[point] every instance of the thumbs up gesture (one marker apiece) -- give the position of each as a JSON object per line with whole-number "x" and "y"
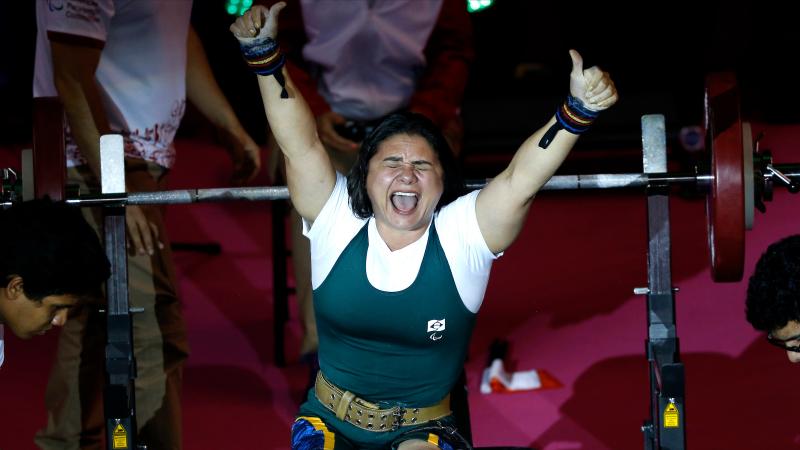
{"x": 592, "y": 86}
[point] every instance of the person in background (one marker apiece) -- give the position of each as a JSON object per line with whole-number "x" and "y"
{"x": 50, "y": 261}
{"x": 773, "y": 295}
{"x": 128, "y": 67}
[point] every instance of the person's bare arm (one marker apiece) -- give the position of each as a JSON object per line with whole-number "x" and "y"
{"x": 503, "y": 204}
{"x": 309, "y": 172}
{"x": 74, "y": 68}
{"x": 204, "y": 93}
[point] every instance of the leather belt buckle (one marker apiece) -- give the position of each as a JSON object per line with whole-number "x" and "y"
{"x": 347, "y": 407}
{"x": 398, "y": 414}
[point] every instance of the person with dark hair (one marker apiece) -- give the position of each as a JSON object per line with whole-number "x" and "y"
{"x": 400, "y": 256}
{"x": 393, "y": 55}
{"x": 773, "y": 295}
{"x": 51, "y": 261}
{"x": 412, "y": 124}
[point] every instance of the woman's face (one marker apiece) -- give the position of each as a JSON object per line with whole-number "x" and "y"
{"x": 405, "y": 181}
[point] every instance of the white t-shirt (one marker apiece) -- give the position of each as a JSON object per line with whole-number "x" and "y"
{"x": 142, "y": 69}
{"x": 468, "y": 255}
{"x": 2, "y": 347}
{"x": 370, "y": 53}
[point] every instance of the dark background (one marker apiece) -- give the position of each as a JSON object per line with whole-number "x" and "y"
{"x": 658, "y": 55}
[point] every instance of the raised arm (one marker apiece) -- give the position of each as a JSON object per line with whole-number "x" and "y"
{"x": 309, "y": 172}
{"x": 503, "y": 204}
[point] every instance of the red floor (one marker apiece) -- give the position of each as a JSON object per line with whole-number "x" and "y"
{"x": 562, "y": 295}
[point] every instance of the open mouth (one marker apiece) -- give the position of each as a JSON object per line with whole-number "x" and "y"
{"x": 404, "y": 202}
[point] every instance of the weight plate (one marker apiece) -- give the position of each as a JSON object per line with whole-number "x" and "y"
{"x": 725, "y": 201}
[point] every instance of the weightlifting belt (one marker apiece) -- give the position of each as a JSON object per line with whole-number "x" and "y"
{"x": 368, "y": 416}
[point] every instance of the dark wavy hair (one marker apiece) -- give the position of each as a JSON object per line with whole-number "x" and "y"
{"x": 412, "y": 124}
{"x": 773, "y": 292}
{"x": 53, "y": 249}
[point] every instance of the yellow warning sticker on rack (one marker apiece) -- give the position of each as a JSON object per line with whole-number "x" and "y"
{"x": 671, "y": 416}
{"x": 120, "y": 437}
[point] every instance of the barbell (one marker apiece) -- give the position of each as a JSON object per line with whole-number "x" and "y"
{"x": 738, "y": 180}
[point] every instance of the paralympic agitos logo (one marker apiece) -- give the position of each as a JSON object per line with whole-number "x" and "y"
{"x": 436, "y": 329}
